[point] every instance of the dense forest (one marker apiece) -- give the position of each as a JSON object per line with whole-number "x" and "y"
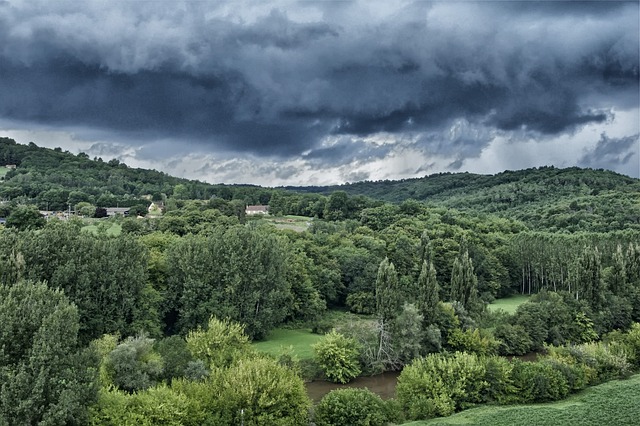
{"x": 154, "y": 324}
{"x": 546, "y": 198}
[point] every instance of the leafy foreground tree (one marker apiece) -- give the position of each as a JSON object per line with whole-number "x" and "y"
{"x": 242, "y": 387}
{"x": 25, "y": 217}
{"x": 45, "y": 378}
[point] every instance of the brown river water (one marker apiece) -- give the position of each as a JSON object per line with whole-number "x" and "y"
{"x": 382, "y": 384}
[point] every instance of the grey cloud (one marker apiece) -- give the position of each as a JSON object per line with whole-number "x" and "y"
{"x": 356, "y": 176}
{"x": 278, "y": 79}
{"x": 456, "y": 165}
{"x": 611, "y": 152}
{"x": 346, "y": 150}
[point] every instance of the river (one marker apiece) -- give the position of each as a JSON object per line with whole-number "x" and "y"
{"x": 382, "y": 384}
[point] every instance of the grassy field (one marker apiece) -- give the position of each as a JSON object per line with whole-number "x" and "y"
{"x": 113, "y": 229}
{"x": 3, "y": 171}
{"x": 295, "y": 223}
{"x": 508, "y": 304}
{"x": 612, "y": 403}
{"x": 300, "y": 340}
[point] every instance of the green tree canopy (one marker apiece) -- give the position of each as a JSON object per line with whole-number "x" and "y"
{"x": 45, "y": 378}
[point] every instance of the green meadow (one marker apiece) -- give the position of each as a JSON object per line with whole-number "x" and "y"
{"x": 109, "y": 228}
{"x": 508, "y": 304}
{"x": 280, "y": 339}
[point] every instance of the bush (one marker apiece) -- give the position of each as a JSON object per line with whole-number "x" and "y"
{"x": 134, "y": 365}
{"x": 322, "y": 326}
{"x": 476, "y": 341}
{"x": 577, "y": 375}
{"x": 266, "y": 392}
{"x": 362, "y": 302}
{"x": 309, "y": 369}
{"x": 500, "y": 388}
{"x": 514, "y": 339}
{"x": 627, "y": 343}
{"x": 220, "y": 345}
{"x": 176, "y": 356}
{"x": 347, "y": 407}
{"x": 155, "y": 406}
{"x": 367, "y": 335}
{"x": 337, "y": 355}
{"x": 439, "y": 384}
{"x": 538, "y": 382}
{"x": 608, "y": 361}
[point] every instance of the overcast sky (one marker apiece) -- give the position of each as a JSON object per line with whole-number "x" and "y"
{"x": 319, "y": 92}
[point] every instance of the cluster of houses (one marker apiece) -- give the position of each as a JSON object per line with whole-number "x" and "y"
{"x": 124, "y": 211}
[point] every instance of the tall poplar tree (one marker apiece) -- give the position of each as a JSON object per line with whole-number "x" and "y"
{"x": 464, "y": 283}
{"x": 617, "y": 274}
{"x": 388, "y": 295}
{"x": 590, "y": 283}
{"x": 428, "y": 293}
{"x": 389, "y": 302}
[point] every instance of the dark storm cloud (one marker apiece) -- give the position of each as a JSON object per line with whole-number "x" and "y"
{"x": 611, "y": 152}
{"x": 277, "y": 78}
{"x": 345, "y": 151}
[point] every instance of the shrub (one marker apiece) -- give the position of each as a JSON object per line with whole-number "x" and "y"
{"x": 220, "y": 345}
{"x": 367, "y": 335}
{"x": 309, "y": 369}
{"x": 266, "y": 392}
{"x": 337, "y": 355}
{"x": 577, "y": 375}
{"x": 514, "y": 339}
{"x": 362, "y": 302}
{"x": 154, "y": 406}
{"x": 476, "y": 341}
{"x": 322, "y": 326}
{"x": 134, "y": 365}
{"x": 351, "y": 407}
{"x": 439, "y": 384}
{"x": 627, "y": 343}
{"x": 176, "y": 356}
{"x": 538, "y": 382}
{"x": 500, "y": 388}
{"x": 608, "y": 361}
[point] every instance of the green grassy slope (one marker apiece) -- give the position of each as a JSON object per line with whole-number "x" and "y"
{"x": 612, "y": 403}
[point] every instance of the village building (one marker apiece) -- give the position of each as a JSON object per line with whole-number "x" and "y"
{"x": 257, "y": 209}
{"x": 114, "y": 211}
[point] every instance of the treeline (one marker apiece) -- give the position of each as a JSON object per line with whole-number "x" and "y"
{"x": 545, "y": 198}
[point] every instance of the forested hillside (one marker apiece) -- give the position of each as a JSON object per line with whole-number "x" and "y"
{"x": 53, "y": 179}
{"x": 546, "y": 198}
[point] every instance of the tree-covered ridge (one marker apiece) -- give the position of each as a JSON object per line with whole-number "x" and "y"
{"x": 544, "y": 198}
{"x": 54, "y": 179}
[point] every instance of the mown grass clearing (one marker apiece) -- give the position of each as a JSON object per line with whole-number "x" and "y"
{"x": 281, "y": 338}
{"x": 3, "y": 171}
{"x": 508, "y": 304}
{"x": 612, "y": 403}
{"x": 113, "y": 229}
{"x": 295, "y": 223}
